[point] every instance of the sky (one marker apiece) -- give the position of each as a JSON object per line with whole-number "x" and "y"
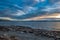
{"x": 25, "y": 9}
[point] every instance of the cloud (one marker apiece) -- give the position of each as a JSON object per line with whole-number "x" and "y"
{"x": 48, "y": 9}
{"x": 39, "y": 0}
{"x": 10, "y": 19}
{"x": 57, "y": 5}
{"x": 55, "y": 16}
{"x": 18, "y": 13}
{"x": 52, "y": 8}
{"x": 29, "y": 9}
{"x": 17, "y": 6}
{"x": 26, "y": 10}
{"x": 6, "y": 18}
{"x": 34, "y": 7}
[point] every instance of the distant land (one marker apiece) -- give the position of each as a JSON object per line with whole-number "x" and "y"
{"x": 43, "y": 20}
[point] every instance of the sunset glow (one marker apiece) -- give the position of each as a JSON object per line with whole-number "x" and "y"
{"x": 58, "y": 16}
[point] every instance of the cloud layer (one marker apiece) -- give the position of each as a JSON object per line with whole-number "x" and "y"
{"x": 21, "y": 9}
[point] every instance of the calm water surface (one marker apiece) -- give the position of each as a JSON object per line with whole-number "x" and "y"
{"x": 39, "y": 25}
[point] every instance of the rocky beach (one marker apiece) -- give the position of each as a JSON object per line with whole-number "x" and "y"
{"x": 22, "y": 32}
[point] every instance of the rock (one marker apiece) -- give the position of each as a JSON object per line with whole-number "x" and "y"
{"x": 7, "y": 37}
{"x": 14, "y": 38}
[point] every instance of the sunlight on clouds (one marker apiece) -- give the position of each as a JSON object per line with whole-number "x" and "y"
{"x": 6, "y": 18}
{"x": 58, "y": 16}
{"x": 10, "y": 19}
{"x": 52, "y": 8}
{"x": 57, "y": 4}
{"x": 32, "y": 8}
{"x": 29, "y": 9}
{"x": 42, "y": 0}
{"x": 26, "y": 10}
{"x": 17, "y": 6}
{"x": 48, "y": 9}
{"x": 43, "y": 17}
{"x": 19, "y": 13}
{"x": 39, "y": 0}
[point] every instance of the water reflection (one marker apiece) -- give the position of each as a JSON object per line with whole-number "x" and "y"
{"x": 38, "y": 25}
{"x": 56, "y": 25}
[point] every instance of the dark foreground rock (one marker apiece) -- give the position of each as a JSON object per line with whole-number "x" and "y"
{"x": 24, "y": 29}
{"x": 6, "y": 37}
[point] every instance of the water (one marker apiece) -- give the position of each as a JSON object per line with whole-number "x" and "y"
{"x": 37, "y": 25}
{"x": 28, "y": 36}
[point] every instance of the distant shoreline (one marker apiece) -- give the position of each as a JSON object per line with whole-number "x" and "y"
{"x": 33, "y": 21}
